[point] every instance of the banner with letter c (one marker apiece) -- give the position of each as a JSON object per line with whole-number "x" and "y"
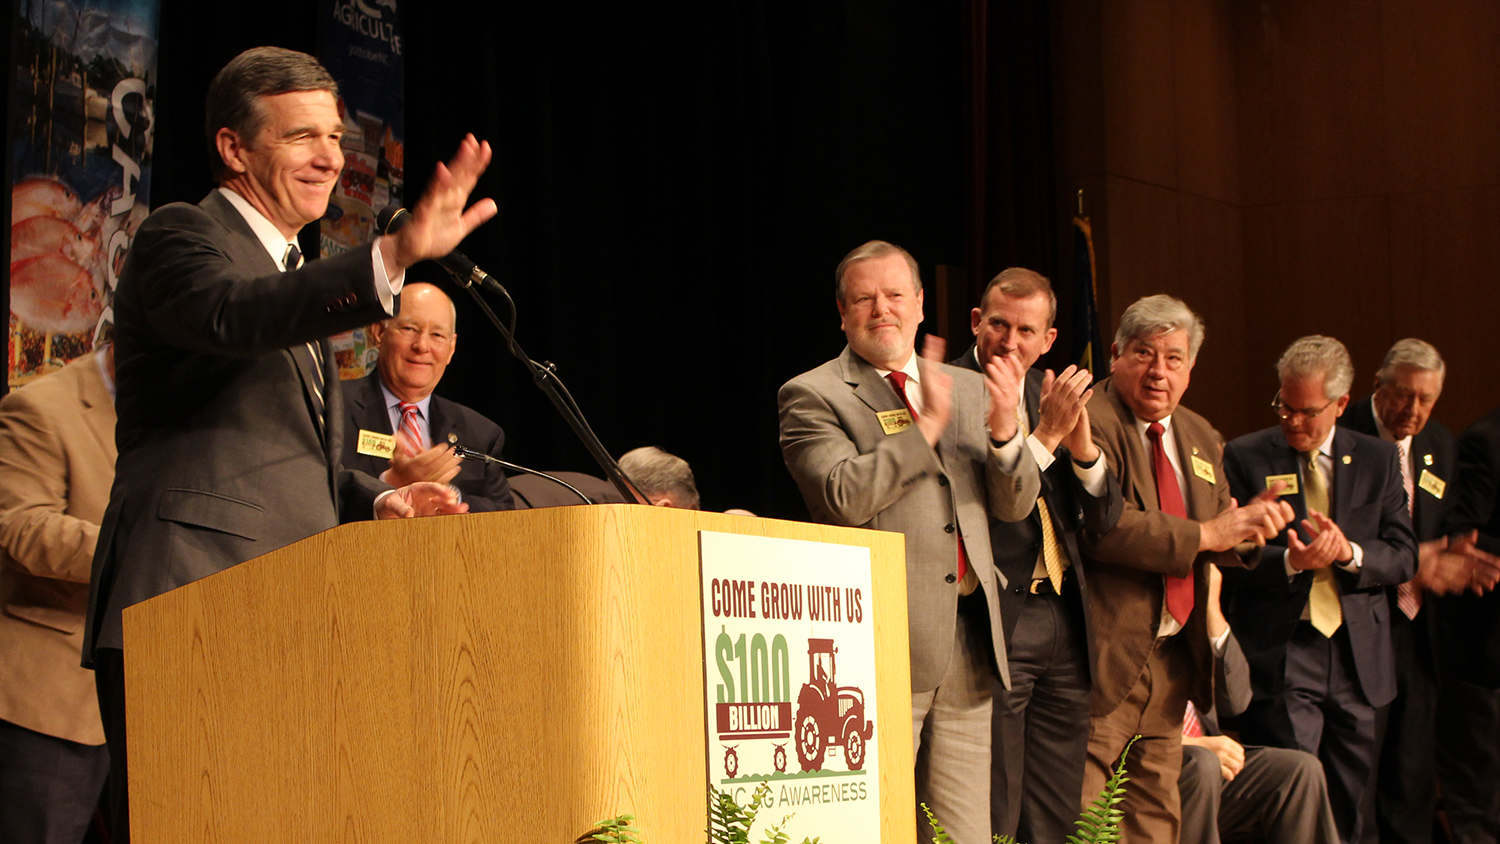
{"x": 83, "y": 83}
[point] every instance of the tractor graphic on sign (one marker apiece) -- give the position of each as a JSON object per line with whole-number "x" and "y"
{"x": 828, "y": 714}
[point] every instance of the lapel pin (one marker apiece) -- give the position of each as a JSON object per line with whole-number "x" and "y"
{"x": 1427, "y": 459}
{"x": 1195, "y": 449}
{"x": 1348, "y": 460}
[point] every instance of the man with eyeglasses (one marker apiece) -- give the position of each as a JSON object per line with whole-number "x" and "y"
{"x": 398, "y": 428}
{"x": 1148, "y": 583}
{"x": 1313, "y": 616}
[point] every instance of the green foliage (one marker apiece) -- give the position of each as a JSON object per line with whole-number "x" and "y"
{"x": 1100, "y": 822}
{"x": 729, "y": 823}
{"x": 939, "y": 835}
{"x": 617, "y": 830}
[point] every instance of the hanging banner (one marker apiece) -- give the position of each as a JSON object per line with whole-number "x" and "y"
{"x": 790, "y": 692}
{"x": 361, "y": 47}
{"x": 81, "y": 120}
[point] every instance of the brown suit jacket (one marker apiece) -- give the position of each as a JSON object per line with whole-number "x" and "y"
{"x": 1126, "y": 565}
{"x": 57, "y": 461}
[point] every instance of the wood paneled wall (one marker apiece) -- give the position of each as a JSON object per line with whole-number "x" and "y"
{"x": 1292, "y": 168}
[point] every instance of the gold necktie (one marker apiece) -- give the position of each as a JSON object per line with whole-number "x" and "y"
{"x": 1323, "y": 601}
{"x": 1052, "y": 557}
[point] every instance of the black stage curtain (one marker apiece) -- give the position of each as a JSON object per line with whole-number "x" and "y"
{"x": 676, "y": 183}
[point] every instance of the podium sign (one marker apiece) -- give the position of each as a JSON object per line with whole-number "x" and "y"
{"x": 789, "y": 641}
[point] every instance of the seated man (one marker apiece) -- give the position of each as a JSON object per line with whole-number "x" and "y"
{"x": 1234, "y": 792}
{"x": 665, "y": 479}
{"x": 416, "y": 346}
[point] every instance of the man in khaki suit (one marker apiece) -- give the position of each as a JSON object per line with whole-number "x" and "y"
{"x": 873, "y": 438}
{"x": 57, "y": 461}
{"x": 1147, "y": 587}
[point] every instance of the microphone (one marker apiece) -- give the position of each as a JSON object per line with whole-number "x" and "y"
{"x": 390, "y": 220}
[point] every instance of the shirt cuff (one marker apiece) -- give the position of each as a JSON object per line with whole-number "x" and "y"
{"x": 1092, "y": 477}
{"x": 1218, "y": 642}
{"x": 1009, "y": 454}
{"x": 1353, "y": 565}
{"x": 1044, "y": 458}
{"x": 1286, "y": 563}
{"x": 375, "y": 511}
{"x": 386, "y": 288}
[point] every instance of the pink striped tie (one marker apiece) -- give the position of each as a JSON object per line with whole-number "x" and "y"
{"x": 1192, "y": 727}
{"x": 1408, "y": 599}
{"x": 409, "y": 440}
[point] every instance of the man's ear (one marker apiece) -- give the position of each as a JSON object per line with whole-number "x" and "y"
{"x": 231, "y": 151}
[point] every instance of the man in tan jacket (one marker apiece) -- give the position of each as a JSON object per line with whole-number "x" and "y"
{"x": 57, "y": 461}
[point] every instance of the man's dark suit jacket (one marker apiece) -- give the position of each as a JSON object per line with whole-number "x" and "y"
{"x": 1469, "y": 626}
{"x": 1015, "y": 545}
{"x": 483, "y": 485}
{"x": 221, "y": 458}
{"x": 1432, "y": 449}
{"x": 1369, "y": 506}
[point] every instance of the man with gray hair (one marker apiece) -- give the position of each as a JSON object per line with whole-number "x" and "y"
{"x": 665, "y": 479}
{"x": 1313, "y": 616}
{"x": 1407, "y": 387}
{"x": 881, "y": 438}
{"x": 1148, "y": 588}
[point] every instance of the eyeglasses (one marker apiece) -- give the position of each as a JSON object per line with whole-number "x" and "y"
{"x": 1288, "y": 412}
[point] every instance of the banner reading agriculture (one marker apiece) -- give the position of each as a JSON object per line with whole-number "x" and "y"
{"x": 82, "y": 87}
{"x": 790, "y": 693}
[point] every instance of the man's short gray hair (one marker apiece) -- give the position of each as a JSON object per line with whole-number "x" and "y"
{"x": 868, "y": 252}
{"x": 1159, "y": 314}
{"x": 1417, "y": 354}
{"x": 234, "y": 94}
{"x": 655, "y": 472}
{"x": 1316, "y": 355}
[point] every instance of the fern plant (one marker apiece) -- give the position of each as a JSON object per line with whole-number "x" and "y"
{"x": 1099, "y": 823}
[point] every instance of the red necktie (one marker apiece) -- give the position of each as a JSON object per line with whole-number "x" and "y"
{"x": 898, "y": 382}
{"x": 1192, "y": 726}
{"x": 1169, "y": 499}
{"x": 410, "y": 438}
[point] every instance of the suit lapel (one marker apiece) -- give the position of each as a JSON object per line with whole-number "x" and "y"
{"x": 99, "y": 410}
{"x": 1345, "y": 455}
{"x": 438, "y": 422}
{"x": 868, "y": 386}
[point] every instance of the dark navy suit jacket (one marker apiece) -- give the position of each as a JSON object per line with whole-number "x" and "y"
{"x": 1369, "y": 506}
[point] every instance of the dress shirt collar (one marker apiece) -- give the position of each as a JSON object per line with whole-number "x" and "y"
{"x": 1326, "y": 449}
{"x": 265, "y": 231}
{"x": 914, "y": 380}
{"x": 1383, "y": 433}
{"x": 393, "y": 404}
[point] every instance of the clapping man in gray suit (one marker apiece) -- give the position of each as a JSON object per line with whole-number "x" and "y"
{"x": 230, "y": 418}
{"x": 878, "y": 439}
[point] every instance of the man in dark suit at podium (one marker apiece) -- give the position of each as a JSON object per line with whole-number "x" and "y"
{"x": 398, "y": 428}
{"x": 1041, "y": 723}
{"x": 230, "y": 423}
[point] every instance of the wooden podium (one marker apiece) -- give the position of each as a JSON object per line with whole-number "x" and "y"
{"x": 500, "y": 677}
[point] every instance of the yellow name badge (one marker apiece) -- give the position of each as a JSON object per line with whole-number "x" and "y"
{"x": 1289, "y": 483}
{"x": 1204, "y": 469}
{"x": 376, "y": 445}
{"x": 894, "y": 421}
{"x": 1432, "y": 483}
